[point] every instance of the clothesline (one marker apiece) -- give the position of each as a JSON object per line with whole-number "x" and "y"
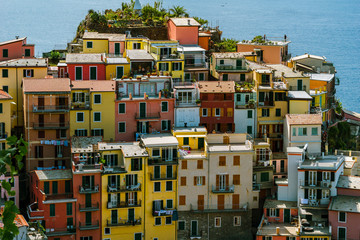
{"x": 55, "y": 142}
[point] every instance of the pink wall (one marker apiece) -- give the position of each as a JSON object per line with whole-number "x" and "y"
{"x": 271, "y": 54}
{"x": 352, "y": 225}
{"x": 86, "y": 71}
{"x": 293, "y": 212}
{"x": 3, "y": 192}
{"x": 16, "y": 50}
{"x": 112, "y": 47}
{"x": 185, "y": 35}
{"x": 153, "y": 106}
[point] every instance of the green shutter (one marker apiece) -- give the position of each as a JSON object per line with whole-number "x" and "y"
{"x": 225, "y": 77}
{"x": 46, "y": 187}
{"x": 67, "y": 186}
{"x": 78, "y": 73}
{"x": 68, "y": 209}
{"x": 186, "y": 141}
{"x": 121, "y": 107}
{"x": 119, "y": 71}
{"x": 93, "y": 73}
{"x": 164, "y": 106}
{"x": 55, "y": 187}
{"x": 5, "y": 53}
{"x": 1, "y": 108}
{"x": 249, "y": 114}
{"x": 5, "y": 73}
{"x": 52, "y": 210}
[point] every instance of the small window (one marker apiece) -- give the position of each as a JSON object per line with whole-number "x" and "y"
{"x": 158, "y": 221}
{"x": 122, "y": 127}
{"x": 122, "y": 108}
{"x": 52, "y": 210}
{"x": 236, "y": 160}
{"x": 182, "y": 181}
{"x": 225, "y": 77}
{"x": 181, "y": 225}
{"x": 1, "y": 108}
{"x": 217, "y": 222}
{"x": 97, "y": 116}
{"x": 107, "y": 231}
{"x": 168, "y": 221}
{"x": 169, "y": 185}
{"x": 278, "y": 112}
{"x": 249, "y": 114}
{"x": 41, "y": 134}
{"x": 138, "y": 236}
{"x": 265, "y": 112}
{"x": 222, "y": 160}
{"x": 183, "y": 164}
{"x": 302, "y": 131}
{"x": 314, "y": 131}
{"x": 97, "y": 132}
{"x": 204, "y": 112}
{"x": 68, "y": 209}
{"x": 249, "y": 129}
{"x": 5, "y": 53}
{"x": 264, "y": 177}
{"x": 89, "y": 44}
{"x": 164, "y": 66}
{"x": 177, "y": 66}
{"x": 80, "y": 117}
{"x": 237, "y": 221}
{"x": 5, "y": 73}
{"x": 155, "y": 152}
{"x": 5, "y": 89}
{"x": 27, "y": 52}
{"x": 217, "y": 112}
{"x": 200, "y": 164}
{"x": 186, "y": 141}
{"x": 164, "y": 106}
{"x": 342, "y": 217}
{"x": 28, "y": 73}
{"x": 136, "y": 45}
{"x": 294, "y": 131}
{"x": 221, "y": 62}
{"x": 93, "y": 73}
{"x": 157, "y": 186}
{"x": 97, "y": 98}
{"x": 169, "y": 204}
{"x": 165, "y": 125}
{"x": 201, "y": 77}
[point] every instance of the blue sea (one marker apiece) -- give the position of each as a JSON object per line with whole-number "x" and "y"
{"x": 329, "y": 28}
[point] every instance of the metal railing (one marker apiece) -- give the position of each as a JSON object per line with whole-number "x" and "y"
{"x": 116, "y": 169}
{"x": 80, "y": 105}
{"x": 89, "y": 207}
{"x": 230, "y": 68}
{"x": 50, "y": 108}
{"x": 266, "y": 104}
{"x": 219, "y": 207}
{"x": 88, "y": 189}
{"x": 296, "y": 88}
{"x": 223, "y": 189}
{"x": 69, "y": 230}
{"x": 57, "y": 196}
{"x": 162, "y": 176}
{"x": 89, "y": 225}
{"x": 161, "y": 161}
{"x": 124, "y": 204}
{"x": 123, "y": 222}
{"x": 124, "y": 188}
{"x": 51, "y": 125}
{"x": 147, "y": 115}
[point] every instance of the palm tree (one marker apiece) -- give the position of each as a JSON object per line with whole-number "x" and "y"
{"x": 178, "y": 11}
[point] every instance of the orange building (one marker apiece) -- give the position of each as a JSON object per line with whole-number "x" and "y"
{"x": 185, "y": 30}
{"x": 16, "y": 48}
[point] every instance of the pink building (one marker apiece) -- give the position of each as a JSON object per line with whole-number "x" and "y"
{"x": 143, "y": 106}
{"x": 85, "y": 66}
{"x": 344, "y": 210}
{"x": 185, "y": 30}
{"x": 14, "y": 187}
{"x": 16, "y": 48}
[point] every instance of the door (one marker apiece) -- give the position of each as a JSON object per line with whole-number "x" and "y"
{"x": 169, "y": 172}
{"x": 312, "y": 178}
{"x": 88, "y": 218}
{"x": 156, "y": 172}
{"x": 87, "y": 200}
{"x": 299, "y": 85}
{"x": 60, "y": 102}
{"x": 201, "y": 143}
{"x": 222, "y": 182}
{"x": 200, "y": 202}
{"x": 41, "y": 120}
{"x": 113, "y": 216}
{"x": 114, "y": 199}
{"x": 131, "y": 89}
{"x": 41, "y": 103}
{"x": 235, "y": 201}
{"x": 62, "y": 120}
{"x": 131, "y": 215}
{"x": 221, "y": 202}
{"x": 194, "y": 228}
{"x": 117, "y": 48}
{"x": 120, "y": 72}
{"x": 287, "y": 215}
{"x": 142, "y": 110}
{"x": 238, "y": 64}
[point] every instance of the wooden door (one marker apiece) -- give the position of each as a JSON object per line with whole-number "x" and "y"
{"x": 200, "y": 202}
{"x": 235, "y": 201}
{"x": 221, "y": 202}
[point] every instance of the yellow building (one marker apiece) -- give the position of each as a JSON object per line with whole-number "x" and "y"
{"x": 5, "y": 118}
{"x": 111, "y": 43}
{"x": 123, "y": 188}
{"x": 133, "y": 43}
{"x": 160, "y": 186}
{"x": 299, "y": 102}
{"x": 117, "y": 67}
{"x": 11, "y": 74}
{"x": 93, "y": 109}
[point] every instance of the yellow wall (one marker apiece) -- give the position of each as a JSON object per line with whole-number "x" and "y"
{"x": 129, "y": 43}
{"x": 175, "y": 74}
{"x": 299, "y": 106}
{"x": 5, "y": 117}
{"x": 99, "y": 46}
{"x": 111, "y": 70}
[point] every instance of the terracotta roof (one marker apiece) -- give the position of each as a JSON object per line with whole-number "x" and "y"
{"x": 95, "y": 86}
{"x": 281, "y": 69}
{"x": 84, "y": 58}
{"x": 53, "y": 174}
{"x": 27, "y": 62}
{"x": 19, "y": 220}
{"x": 12, "y": 41}
{"x": 304, "y": 119}
{"x": 345, "y": 204}
{"x": 217, "y": 86}
{"x": 234, "y": 55}
{"x": 185, "y": 22}
{"x": 4, "y": 95}
{"x": 110, "y": 36}
{"x": 46, "y": 85}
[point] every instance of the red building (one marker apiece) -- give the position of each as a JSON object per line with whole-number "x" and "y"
{"x": 16, "y": 48}
{"x": 85, "y": 66}
{"x": 143, "y": 105}
{"x": 53, "y": 203}
{"x": 185, "y": 30}
{"x": 217, "y": 106}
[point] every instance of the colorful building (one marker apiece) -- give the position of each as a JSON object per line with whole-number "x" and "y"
{"x": 16, "y": 48}
{"x": 196, "y": 66}
{"x": 299, "y": 102}
{"x": 117, "y": 67}
{"x": 113, "y": 44}
{"x": 92, "y": 109}
{"x": 86, "y": 66}
{"x": 5, "y": 118}
{"x": 4, "y": 196}
{"x": 245, "y": 109}
{"x": 217, "y": 106}
{"x": 184, "y": 30}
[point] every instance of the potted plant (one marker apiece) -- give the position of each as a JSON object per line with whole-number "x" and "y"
{"x": 198, "y": 101}
{"x": 251, "y": 103}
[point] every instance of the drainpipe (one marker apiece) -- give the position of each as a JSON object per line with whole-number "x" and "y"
{"x": 17, "y": 98}
{"x": 143, "y": 197}
{"x": 28, "y": 130}
{"x": 208, "y": 195}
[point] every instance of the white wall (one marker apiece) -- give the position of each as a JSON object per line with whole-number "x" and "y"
{"x": 241, "y": 120}
{"x": 191, "y": 116}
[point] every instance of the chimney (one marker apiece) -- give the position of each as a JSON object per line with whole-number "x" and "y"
{"x": 189, "y": 22}
{"x": 277, "y": 230}
{"x": 17, "y": 37}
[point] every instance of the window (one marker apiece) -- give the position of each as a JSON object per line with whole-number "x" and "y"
{"x": 163, "y": 66}
{"x": 225, "y": 77}
{"x": 79, "y": 117}
{"x": 249, "y": 130}
{"x": 68, "y": 209}
{"x": 236, "y": 179}
{"x": 155, "y": 152}
{"x": 278, "y": 112}
{"x": 27, "y": 52}
{"x": 249, "y": 114}
{"x": 54, "y": 187}
{"x": 182, "y": 200}
{"x": 5, "y": 88}
{"x": 157, "y": 221}
{"x": 204, "y": 112}
{"x": 136, "y": 45}
{"x": 341, "y": 233}
{"x": 122, "y": 108}
{"x": 86, "y": 238}
{"x": 199, "y": 180}
{"x": 182, "y": 181}
{"x": 294, "y": 131}
{"x": 107, "y": 231}
{"x": 342, "y": 217}
{"x": 265, "y": 112}
{"x": 28, "y": 73}
{"x": 46, "y": 187}
{"x": 168, "y": 221}
{"x": 201, "y": 77}
{"x": 165, "y": 125}
{"x": 89, "y": 44}
{"x": 52, "y": 210}
{"x": 325, "y": 194}
{"x": 236, "y": 161}
{"x": 1, "y": 108}
{"x": 119, "y": 72}
{"x": 169, "y": 185}
{"x": 183, "y": 164}
{"x": 97, "y": 132}
{"x": 314, "y": 131}
{"x": 187, "y": 76}
{"x": 164, "y": 106}
{"x": 97, "y": 116}
{"x": 169, "y": 204}
{"x": 78, "y": 73}
{"x": 97, "y": 98}
{"x": 81, "y": 132}
{"x": 280, "y": 96}
{"x": 221, "y": 62}
{"x": 217, "y": 222}
{"x": 264, "y": 177}
{"x": 122, "y": 127}
{"x": 273, "y": 212}
{"x": 136, "y": 164}
{"x": 302, "y": 131}
{"x": 39, "y": 151}
{"x": 157, "y": 186}
{"x": 93, "y": 73}
{"x": 181, "y": 225}
{"x": 5, "y": 73}
{"x": 217, "y": 112}
{"x": 222, "y": 161}
{"x": 79, "y": 97}
{"x": 237, "y": 221}
{"x": 177, "y": 66}
{"x": 138, "y": 236}
{"x": 5, "y": 53}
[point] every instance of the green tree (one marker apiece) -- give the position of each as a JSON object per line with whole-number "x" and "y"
{"x": 178, "y": 11}
{"x": 202, "y": 22}
{"x": 227, "y": 45}
{"x": 54, "y": 56}
{"x": 11, "y": 161}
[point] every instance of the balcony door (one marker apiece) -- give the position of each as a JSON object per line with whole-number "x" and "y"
{"x": 131, "y": 198}
{"x": 41, "y": 120}
{"x": 142, "y": 110}
{"x": 114, "y": 199}
{"x": 88, "y": 181}
{"x": 169, "y": 171}
{"x": 41, "y": 102}
{"x": 87, "y": 200}
{"x": 131, "y": 215}
{"x": 299, "y": 85}
{"x": 194, "y": 228}
{"x": 221, "y": 202}
{"x": 62, "y": 120}
{"x": 117, "y": 48}
{"x": 312, "y": 178}
{"x": 114, "y": 216}
{"x": 114, "y": 181}
{"x": 131, "y": 180}
{"x": 200, "y": 202}
{"x": 88, "y": 218}
{"x": 222, "y": 181}
{"x": 201, "y": 143}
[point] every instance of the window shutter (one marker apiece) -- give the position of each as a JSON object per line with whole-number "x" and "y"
{"x": 108, "y": 178}
{"x": 57, "y": 133}
{"x": 318, "y": 194}
{"x": 163, "y": 154}
{"x": 306, "y": 178}
{"x": 213, "y": 112}
{"x": 221, "y": 112}
{"x": 169, "y": 124}
{"x": 194, "y": 181}
{"x": 85, "y": 132}
{"x": 118, "y": 180}
{"x": 319, "y": 176}
{"x": 277, "y": 212}
{"x": 261, "y": 96}
{"x": 306, "y": 195}
{"x": 172, "y": 66}
{"x": 109, "y": 197}
{"x": 203, "y": 180}
{"x": 24, "y": 73}
{"x": 332, "y": 176}
{"x": 267, "y": 212}
{"x": 183, "y": 164}
{"x": 227, "y": 180}
{"x": 217, "y": 181}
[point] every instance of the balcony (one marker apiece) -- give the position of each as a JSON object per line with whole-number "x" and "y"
{"x": 115, "y": 169}
{"x": 123, "y": 222}
{"x": 51, "y": 125}
{"x": 124, "y": 188}
{"x": 160, "y": 161}
{"x": 34, "y": 212}
{"x": 83, "y": 167}
{"x": 190, "y": 65}
{"x": 190, "y": 103}
{"x": 223, "y": 189}
{"x": 162, "y": 212}
{"x": 297, "y": 88}
{"x": 163, "y": 176}
{"x": 70, "y": 230}
{"x": 275, "y": 135}
{"x": 3, "y": 136}
{"x": 266, "y": 104}
{"x": 50, "y": 108}
{"x": 124, "y": 204}
{"x": 57, "y": 196}
{"x": 89, "y": 207}
{"x": 88, "y": 189}
{"x": 315, "y": 185}
{"x": 140, "y": 116}
{"x": 80, "y": 105}
{"x": 313, "y": 203}
{"x": 256, "y": 187}
{"x": 89, "y": 225}
{"x": 220, "y": 207}
{"x": 230, "y": 68}
{"x": 195, "y": 235}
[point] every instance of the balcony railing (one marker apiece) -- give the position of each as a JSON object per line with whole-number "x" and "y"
{"x": 50, "y": 108}
{"x": 123, "y": 222}
{"x": 296, "y": 88}
{"x": 162, "y": 176}
{"x": 219, "y": 207}
{"x": 116, "y": 169}
{"x": 82, "y": 167}
{"x": 80, "y": 105}
{"x": 89, "y": 207}
{"x": 124, "y": 188}
{"x": 34, "y": 212}
{"x": 3, "y": 135}
{"x": 147, "y": 115}
{"x": 227, "y": 68}
{"x": 51, "y": 125}
{"x": 186, "y": 103}
{"x": 163, "y": 212}
{"x": 70, "y": 230}
{"x": 266, "y": 104}
{"x": 223, "y": 189}
{"x": 160, "y": 161}
{"x": 196, "y": 65}
{"x": 88, "y": 189}
{"x": 318, "y": 184}
{"x": 124, "y": 204}
{"x": 89, "y": 225}
{"x": 57, "y": 196}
